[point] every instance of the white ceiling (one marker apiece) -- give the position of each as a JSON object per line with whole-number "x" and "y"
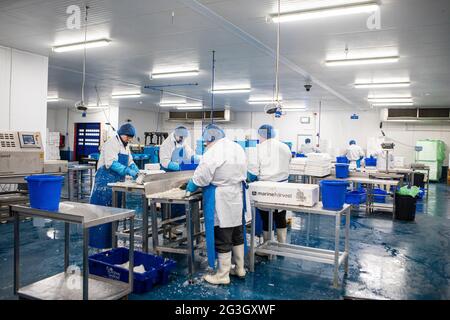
{"x": 145, "y": 39}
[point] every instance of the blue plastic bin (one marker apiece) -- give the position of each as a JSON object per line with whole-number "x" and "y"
{"x": 301, "y": 155}
{"x": 370, "y": 162}
{"x": 342, "y": 160}
{"x": 356, "y": 197}
{"x": 45, "y": 191}
{"x": 333, "y": 194}
{"x": 342, "y": 170}
{"x": 157, "y": 269}
{"x": 379, "y": 196}
{"x": 188, "y": 166}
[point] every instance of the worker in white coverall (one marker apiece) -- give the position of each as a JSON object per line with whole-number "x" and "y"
{"x": 354, "y": 154}
{"x": 308, "y": 147}
{"x": 271, "y": 164}
{"x": 224, "y": 169}
{"x": 175, "y": 150}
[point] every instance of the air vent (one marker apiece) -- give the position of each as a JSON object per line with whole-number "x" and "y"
{"x": 402, "y": 113}
{"x": 219, "y": 116}
{"x": 434, "y": 113}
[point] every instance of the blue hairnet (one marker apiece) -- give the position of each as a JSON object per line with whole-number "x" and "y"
{"x": 266, "y": 131}
{"x": 308, "y": 140}
{"x": 352, "y": 142}
{"x": 181, "y": 132}
{"x": 127, "y": 129}
{"x": 213, "y": 133}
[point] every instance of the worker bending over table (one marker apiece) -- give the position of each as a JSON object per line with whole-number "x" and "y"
{"x": 222, "y": 173}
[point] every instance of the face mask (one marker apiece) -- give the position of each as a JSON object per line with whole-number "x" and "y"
{"x": 179, "y": 139}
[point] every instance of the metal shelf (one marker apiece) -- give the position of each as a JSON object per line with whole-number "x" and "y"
{"x": 58, "y": 287}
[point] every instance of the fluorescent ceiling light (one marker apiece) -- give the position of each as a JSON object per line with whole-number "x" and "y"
{"x": 181, "y": 104}
{"x": 82, "y": 45}
{"x": 361, "y": 61}
{"x": 176, "y": 74}
{"x": 231, "y": 90}
{"x": 402, "y": 104}
{"x": 382, "y": 85}
{"x": 324, "y": 12}
{"x": 125, "y": 95}
{"x": 189, "y": 108}
{"x": 52, "y": 99}
{"x": 263, "y": 101}
{"x": 390, "y": 100}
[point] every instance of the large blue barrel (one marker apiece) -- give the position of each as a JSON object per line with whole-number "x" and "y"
{"x": 45, "y": 191}
{"x": 333, "y": 194}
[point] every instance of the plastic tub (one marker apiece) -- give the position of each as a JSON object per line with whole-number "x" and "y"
{"x": 333, "y": 194}
{"x": 379, "y": 196}
{"x": 301, "y": 155}
{"x": 355, "y": 197}
{"x": 370, "y": 162}
{"x": 45, "y": 191}
{"x": 342, "y": 170}
{"x": 342, "y": 160}
{"x": 157, "y": 269}
{"x": 188, "y": 166}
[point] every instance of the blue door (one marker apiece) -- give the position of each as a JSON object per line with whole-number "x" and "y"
{"x": 87, "y": 139}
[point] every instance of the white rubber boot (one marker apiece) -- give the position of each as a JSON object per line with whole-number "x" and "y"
{"x": 222, "y": 276}
{"x": 266, "y": 238}
{"x": 238, "y": 256}
{"x": 282, "y": 235}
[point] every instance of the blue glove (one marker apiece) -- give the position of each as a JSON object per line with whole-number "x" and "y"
{"x": 131, "y": 172}
{"x": 119, "y": 168}
{"x": 134, "y": 167}
{"x": 191, "y": 186}
{"x": 173, "y": 166}
{"x": 251, "y": 177}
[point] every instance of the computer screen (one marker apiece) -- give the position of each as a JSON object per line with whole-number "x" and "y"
{"x": 28, "y": 139}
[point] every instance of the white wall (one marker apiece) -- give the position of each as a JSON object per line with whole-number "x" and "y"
{"x": 23, "y": 101}
{"x": 63, "y": 121}
{"x": 143, "y": 121}
{"x": 337, "y": 129}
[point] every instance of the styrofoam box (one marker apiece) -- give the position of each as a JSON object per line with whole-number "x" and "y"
{"x": 284, "y": 193}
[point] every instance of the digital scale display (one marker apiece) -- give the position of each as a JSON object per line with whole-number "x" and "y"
{"x": 28, "y": 139}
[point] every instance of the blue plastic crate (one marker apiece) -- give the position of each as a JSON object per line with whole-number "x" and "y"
{"x": 370, "y": 162}
{"x": 188, "y": 166}
{"x": 355, "y": 197}
{"x": 157, "y": 268}
{"x": 342, "y": 160}
{"x": 379, "y": 196}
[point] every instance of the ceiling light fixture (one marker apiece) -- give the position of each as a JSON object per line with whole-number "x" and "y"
{"x": 82, "y": 45}
{"x": 254, "y": 102}
{"x": 181, "y": 104}
{"x": 189, "y": 108}
{"x": 397, "y": 104}
{"x": 126, "y": 95}
{"x": 231, "y": 90}
{"x": 324, "y": 12}
{"x": 362, "y": 85}
{"x": 176, "y": 74}
{"x": 390, "y": 100}
{"x": 362, "y": 61}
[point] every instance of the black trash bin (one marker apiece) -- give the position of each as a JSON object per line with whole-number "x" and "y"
{"x": 405, "y": 207}
{"x": 419, "y": 180}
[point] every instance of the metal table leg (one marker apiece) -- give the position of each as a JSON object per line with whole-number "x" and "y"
{"x": 68, "y": 185}
{"x": 252, "y": 240}
{"x": 347, "y": 239}
{"x": 336, "y": 251}
{"x": 16, "y": 250}
{"x": 144, "y": 223}
{"x": 115, "y": 225}
{"x": 85, "y": 264}
{"x": 270, "y": 224}
{"x": 155, "y": 239}
{"x": 131, "y": 254}
{"x": 190, "y": 240}
{"x": 66, "y": 245}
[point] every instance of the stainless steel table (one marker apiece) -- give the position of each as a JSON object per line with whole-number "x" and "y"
{"x": 193, "y": 232}
{"x": 333, "y": 257}
{"x": 61, "y": 286}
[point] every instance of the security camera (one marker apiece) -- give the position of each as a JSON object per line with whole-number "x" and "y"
{"x": 308, "y": 84}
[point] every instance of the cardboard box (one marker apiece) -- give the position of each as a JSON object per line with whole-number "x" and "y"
{"x": 284, "y": 193}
